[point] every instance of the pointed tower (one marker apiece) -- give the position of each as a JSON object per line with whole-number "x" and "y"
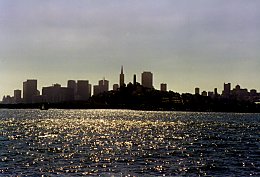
{"x": 121, "y": 77}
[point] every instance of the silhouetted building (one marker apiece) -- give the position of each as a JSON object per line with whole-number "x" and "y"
{"x": 253, "y": 92}
{"x": 17, "y": 96}
{"x": 83, "y": 90}
{"x": 8, "y": 100}
{"x": 90, "y": 90}
{"x": 103, "y": 86}
{"x": 121, "y": 77}
{"x": 215, "y": 91}
{"x": 57, "y": 94}
{"x": 204, "y": 93}
{"x": 115, "y": 87}
{"x": 29, "y": 90}
{"x": 96, "y": 90}
{"x": 134, "y": 79}
{"x": 197, "y": 91}
{"x": 227, "y": 90}
{"x": 147, "y": 79}
{"x": 240, "y": 94}
{"x": 211, "y": 94}
{"x": 163, "y": 87}
{"x": 254, "y": 96}
{"x": 72, "y": 85}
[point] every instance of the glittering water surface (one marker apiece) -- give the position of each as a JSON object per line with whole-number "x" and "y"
{"x": 128, "y": 143}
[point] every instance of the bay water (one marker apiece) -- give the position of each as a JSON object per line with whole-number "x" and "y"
{"x": 128, "y": 143}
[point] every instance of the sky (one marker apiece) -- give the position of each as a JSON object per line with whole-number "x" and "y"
{"x": 184, "y": 43}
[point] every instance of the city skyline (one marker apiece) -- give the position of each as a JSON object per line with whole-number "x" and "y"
{"x": 81, "y": 90}
{"x": 146, "y": 80}
{"x": 77, "y": 89}
{"x": 185, "y": 44}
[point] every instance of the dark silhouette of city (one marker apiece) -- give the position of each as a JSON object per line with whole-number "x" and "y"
{"x": 134, "y": 95}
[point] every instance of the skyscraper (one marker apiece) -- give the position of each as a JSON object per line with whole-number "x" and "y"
{"x": 134, "y": 79}
{"x": 103, "y": 86}
{"x": 147, "y": 79}
{"x": 72, "y": 85}
{"x": 227, "y": 90}
{"x": 163, "y": 87}
{"x": 57, "y": 94}
{"x": 197, "y": 91}
{"x": 215, "y": 91}
{"x": 122, "y": 77}
{"x": 29, "y": 90}
{"x": 17, "y": 96}
{"x": 90, "y": 90}
{"x": 96, "y": 90}
{"x": 83, "y": 90}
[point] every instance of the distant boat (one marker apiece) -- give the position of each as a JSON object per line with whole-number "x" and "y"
{"x": 43, "y": 107}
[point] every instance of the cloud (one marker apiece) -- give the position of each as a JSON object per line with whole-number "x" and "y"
{"x": 181, "y": 37}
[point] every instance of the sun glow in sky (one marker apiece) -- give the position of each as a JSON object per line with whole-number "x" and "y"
{"x": 186, "y": 44}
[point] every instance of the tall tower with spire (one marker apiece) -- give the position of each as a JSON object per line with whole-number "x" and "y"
{"x": 121, "y": 77}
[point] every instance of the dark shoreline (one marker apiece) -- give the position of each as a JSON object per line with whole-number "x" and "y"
{"x": 136, "y": 97}
{"x": 46, "y": 106}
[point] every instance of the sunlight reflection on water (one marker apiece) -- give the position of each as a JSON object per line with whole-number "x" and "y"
{"x": 124, "y": 142}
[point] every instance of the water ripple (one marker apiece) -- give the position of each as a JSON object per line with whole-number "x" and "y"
{"x": 123, "y": 142}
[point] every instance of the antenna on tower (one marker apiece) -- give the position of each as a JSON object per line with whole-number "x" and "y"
{"x": 121, "y": 77}
{"x": 122, "y": 70}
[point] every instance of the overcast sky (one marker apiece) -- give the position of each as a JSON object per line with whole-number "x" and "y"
{"x": 185, "y": 43}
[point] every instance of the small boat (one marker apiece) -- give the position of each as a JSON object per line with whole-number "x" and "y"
{"x": 44, "y": 107}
